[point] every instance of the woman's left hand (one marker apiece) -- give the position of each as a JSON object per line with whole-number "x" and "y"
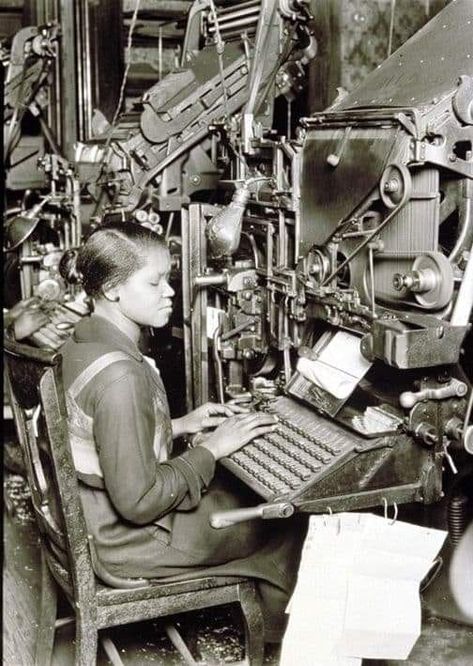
{"x": 210, "y": 415}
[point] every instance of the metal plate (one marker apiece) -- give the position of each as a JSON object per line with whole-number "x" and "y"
{"x": 328, "y": 194}
{"x": 425, "y": 68}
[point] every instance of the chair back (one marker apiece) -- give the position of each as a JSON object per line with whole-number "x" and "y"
{"x": 39, "y": 407}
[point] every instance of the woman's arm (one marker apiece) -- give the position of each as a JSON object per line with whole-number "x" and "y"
{"x": 141, "y": 489}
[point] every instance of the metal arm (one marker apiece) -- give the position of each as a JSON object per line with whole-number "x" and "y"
{"x": 221, "y": 519}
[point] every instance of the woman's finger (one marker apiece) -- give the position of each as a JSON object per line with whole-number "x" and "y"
{"x": 259, "y": 431}
{"x": 214, "y": 408}
{"x": 242, "y": 398}
{"x": 238, "y": 409}
{"x": 31, "y": 303}
{"x": 213, "y": 421}
{"x": 39, "y": 319}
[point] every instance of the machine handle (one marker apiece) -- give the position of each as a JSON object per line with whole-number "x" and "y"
{"x": 454, "y": 388}
{"x": 221, "y": 519}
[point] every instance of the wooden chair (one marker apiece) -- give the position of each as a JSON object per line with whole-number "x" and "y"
{"x": 97, "y": 599}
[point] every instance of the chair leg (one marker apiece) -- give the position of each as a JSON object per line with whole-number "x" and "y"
{"x": 178, "y": 642}
{"x": 47, "y": 619}
{"x": 86, "y": 641}
{"x": 254, "y": 625}
{"x": 111, "y": 651}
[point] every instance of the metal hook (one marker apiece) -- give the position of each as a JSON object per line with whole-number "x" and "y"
{"x": 385, "y": 502}
{"x": 329, "y": 511}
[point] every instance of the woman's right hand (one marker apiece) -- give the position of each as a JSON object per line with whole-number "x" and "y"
{"x": 237, "y": 431}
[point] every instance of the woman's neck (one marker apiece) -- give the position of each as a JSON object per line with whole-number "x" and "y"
{"x": 110, "y": 311}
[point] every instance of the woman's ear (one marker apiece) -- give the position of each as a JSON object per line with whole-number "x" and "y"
{"x": 110, "y": 293}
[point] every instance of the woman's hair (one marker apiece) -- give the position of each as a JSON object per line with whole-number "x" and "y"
{"x": 110, "y": 255}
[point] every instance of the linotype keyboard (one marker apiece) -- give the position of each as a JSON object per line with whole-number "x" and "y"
{"x": 303, "y": 449}
{"x": 62, "y": 319}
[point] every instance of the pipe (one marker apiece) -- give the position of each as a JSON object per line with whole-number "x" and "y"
{"x": 464, "y": 302}
{"x": 466, "y": 230}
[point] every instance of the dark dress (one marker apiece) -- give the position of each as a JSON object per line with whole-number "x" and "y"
{"x": 147, "y": 510}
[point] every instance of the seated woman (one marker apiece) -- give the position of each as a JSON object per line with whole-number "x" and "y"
{"x": 147, "y": 510}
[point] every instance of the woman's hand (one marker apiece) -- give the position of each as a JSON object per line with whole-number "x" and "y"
{"x": 236, "y": 432}
{"x": 25, "y": 317}
{"x": 27, "y": 303}
{"x": 28, "y": 322}
{"x": 210, "y": 415}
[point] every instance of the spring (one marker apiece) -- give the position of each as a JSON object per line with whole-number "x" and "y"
{"x": 457, "y": 517}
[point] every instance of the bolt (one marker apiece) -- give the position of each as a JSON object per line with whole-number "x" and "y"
{"x": 398, "y": 281}
{"x": 391, "y": 185}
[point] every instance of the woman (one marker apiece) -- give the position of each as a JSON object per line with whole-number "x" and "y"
{"x": 148, "y": 511}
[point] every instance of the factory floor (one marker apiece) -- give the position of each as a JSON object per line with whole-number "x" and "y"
{"x": 214, "y": 636}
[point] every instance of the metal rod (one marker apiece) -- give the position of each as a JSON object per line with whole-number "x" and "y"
{"x": 227, "y": 18}
{"x": 160, "y": 54}
{"x": 218, "y": 364}
{"x": 466, "y": 222}
{"x": 267, "y": 11}
{"x": 362, "y": 244}
{"x": 229, "y": 11}
{"x": 49, "y": 136}
{"x": 464, "y": 302}
{"x": 186, "y": 307}
{"x": 371, "y": 261}
{"x": 234, "y": 24}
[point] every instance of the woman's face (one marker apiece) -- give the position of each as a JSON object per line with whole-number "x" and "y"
{"x": 146, "y": 297}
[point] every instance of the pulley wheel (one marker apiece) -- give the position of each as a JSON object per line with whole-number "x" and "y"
{"x": 442, "y": 291}
{"x": 395, "y": 185}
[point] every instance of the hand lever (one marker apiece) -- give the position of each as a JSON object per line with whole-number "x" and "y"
{"x": 221, "y": 519}
{"x": 454, "y": 389}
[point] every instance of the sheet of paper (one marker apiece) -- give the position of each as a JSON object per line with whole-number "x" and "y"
{"x": 339, "y": 366}
{"x": 383, "y": 613}
{"x": 318, "y": 605}
{"x": 383, "y": 618}
{"x": 357, "y": 592}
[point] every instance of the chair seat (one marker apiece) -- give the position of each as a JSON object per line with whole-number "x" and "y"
{"x": 156, "y": 588}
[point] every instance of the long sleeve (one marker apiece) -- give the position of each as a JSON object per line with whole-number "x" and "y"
{"x": 140, "y": 488}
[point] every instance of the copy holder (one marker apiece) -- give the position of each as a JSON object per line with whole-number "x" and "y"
{"x": 328, "y": 373}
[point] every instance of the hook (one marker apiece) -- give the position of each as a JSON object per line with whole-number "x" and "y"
{"x": 330, "y": 513}
{"x": 385, "y": 502}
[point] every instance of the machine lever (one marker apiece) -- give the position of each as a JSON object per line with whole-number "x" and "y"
{"x": 221, "y": 519}
{"x": 454, "y": 389}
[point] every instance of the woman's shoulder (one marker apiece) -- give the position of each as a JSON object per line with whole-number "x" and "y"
{"x": 98, "y": 361}
{"x": 96, "y": 371}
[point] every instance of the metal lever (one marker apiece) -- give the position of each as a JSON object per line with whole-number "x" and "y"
{"x": 221, "y": 519}
{"x": 455, "y": 388}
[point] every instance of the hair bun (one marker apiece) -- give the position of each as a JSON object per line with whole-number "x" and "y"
{"x": 68, "y": 267}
